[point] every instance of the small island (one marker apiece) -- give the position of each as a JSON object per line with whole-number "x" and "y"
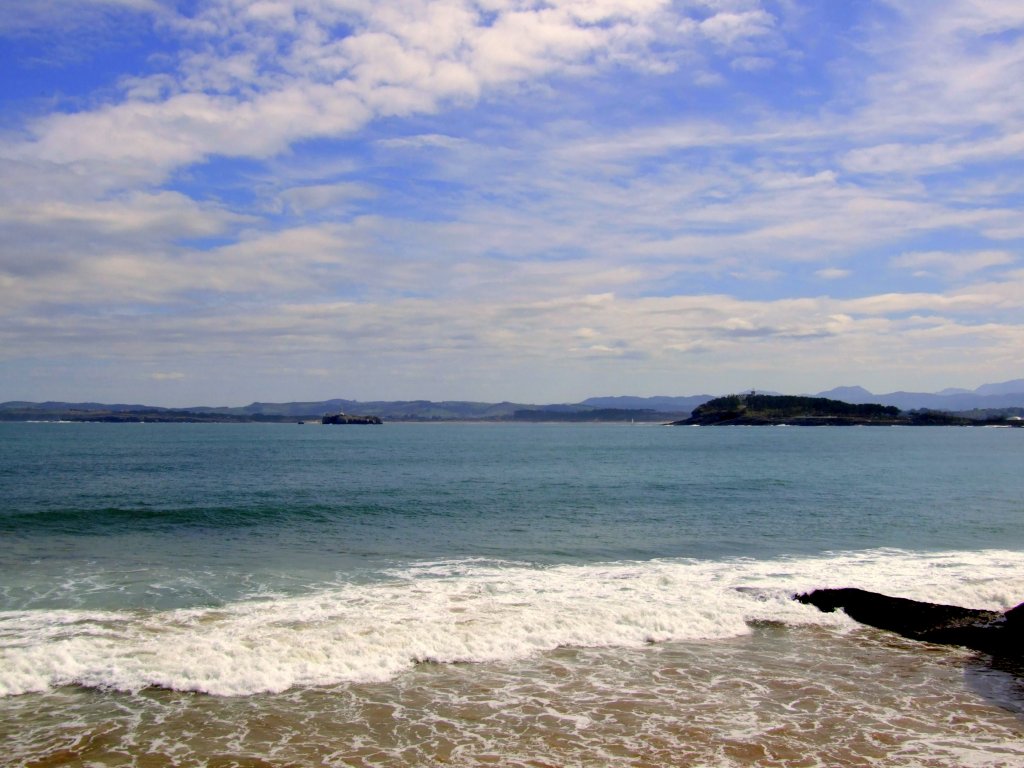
{"x": 769, "y": 410}
{"x": 345, "y": 418}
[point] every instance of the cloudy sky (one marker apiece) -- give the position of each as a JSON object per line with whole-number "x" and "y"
{"x": 221, "y": 201}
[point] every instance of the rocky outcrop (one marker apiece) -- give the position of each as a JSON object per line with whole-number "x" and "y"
{"x": 1001, "y": 634}
{"x": 345, "y": 418}
{"x": 765, "y": 410}
{"x": 753, "y": 409}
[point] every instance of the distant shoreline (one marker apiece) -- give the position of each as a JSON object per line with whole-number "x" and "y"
{"x": 748, "y": 409}
{"x": 313, "y": 421}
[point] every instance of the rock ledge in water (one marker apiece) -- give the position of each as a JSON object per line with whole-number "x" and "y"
{"x": 1001, "y": 634}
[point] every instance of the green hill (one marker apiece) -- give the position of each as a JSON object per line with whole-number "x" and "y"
{"x": 778, "y": 409}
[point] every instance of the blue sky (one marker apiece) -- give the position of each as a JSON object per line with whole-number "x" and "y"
{"x": 220, "y": 201}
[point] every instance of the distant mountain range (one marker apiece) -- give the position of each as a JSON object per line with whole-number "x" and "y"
{"x": 1008, "y": 394}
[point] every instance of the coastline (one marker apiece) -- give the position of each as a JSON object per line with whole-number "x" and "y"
{"x": 826, "y": 421}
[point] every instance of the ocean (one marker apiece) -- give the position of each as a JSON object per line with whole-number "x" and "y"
{"x": 499, "y": 595}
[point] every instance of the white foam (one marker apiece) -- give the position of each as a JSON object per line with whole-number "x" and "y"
{"x": 465, "y": 611}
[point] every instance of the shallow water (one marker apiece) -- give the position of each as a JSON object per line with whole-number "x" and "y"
{"x": 779, "y": 696}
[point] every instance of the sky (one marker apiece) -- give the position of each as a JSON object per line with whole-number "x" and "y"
{"x": 221, "y": 201}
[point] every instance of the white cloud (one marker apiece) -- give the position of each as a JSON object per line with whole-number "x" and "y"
{"x": 144, "y": 141}
{"x": 720, "y": 341}
{"x": 931, "y": 157}
{"x": 732, "y": 29}
{"x": 286, "y": 80}
{"x": 316, "y": 197}
{"x": 958, "y": 64}
{"x": 157, "y": 214}
{"x": 952, "y": 265}
{"x": 968, "y": 303}
{"x": 511, "y": 209}
{"x": 19, "y": 17}
{"x": 832, "y": 273}
{"x": 422, "y": 141}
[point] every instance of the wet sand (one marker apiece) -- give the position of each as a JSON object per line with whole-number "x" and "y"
{"x": 781, "y": 696}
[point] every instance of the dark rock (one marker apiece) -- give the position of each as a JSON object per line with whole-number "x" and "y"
{"x": 1001, "y": 634}
{"x": 344, "y": 418}
{"x": 762, "y": 410}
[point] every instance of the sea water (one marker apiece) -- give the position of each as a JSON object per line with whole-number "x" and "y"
{"x": 499, "y": 594}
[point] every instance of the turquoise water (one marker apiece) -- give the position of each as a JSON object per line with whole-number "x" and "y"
{"x": 258, "y": 563}
{"x": 289, "y": 503}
